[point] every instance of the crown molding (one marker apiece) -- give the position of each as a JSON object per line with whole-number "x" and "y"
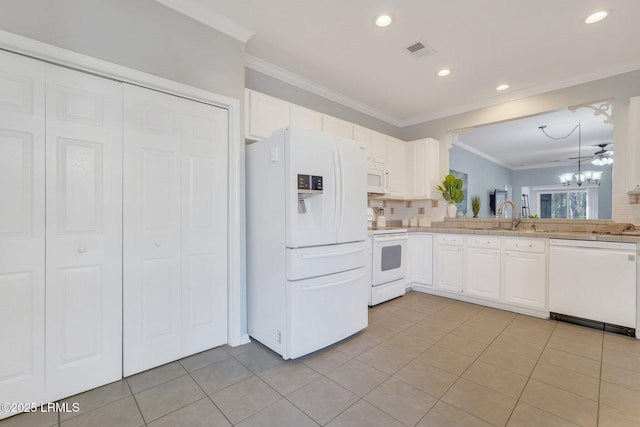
{"x": 199, "y": 12}
{"x": 287, "y": 76}
{"x": 480, "y": 154}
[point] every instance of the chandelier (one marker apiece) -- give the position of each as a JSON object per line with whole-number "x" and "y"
{"x": 590, "y": 177}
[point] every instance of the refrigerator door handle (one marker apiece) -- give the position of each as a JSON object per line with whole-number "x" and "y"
{"x": 342, "y": 190}
{"x": 332, "y": 254}
{"x": 332, "y": 284}
{"x": 336, "y": 196}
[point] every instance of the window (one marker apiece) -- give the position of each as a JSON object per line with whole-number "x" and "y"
{"x": 567, "y": 203}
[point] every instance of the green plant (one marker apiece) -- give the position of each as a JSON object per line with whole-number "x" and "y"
{"x": 475, "y": 205}
{"x": 451, "y": 189}
{"x": 534, "y": 216}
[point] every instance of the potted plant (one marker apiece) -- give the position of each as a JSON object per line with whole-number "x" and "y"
{"x": 475, "y": 205}
{"x": 451, "y": 190}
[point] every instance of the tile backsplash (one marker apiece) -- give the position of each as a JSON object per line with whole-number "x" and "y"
{"x": 397, "y": 210}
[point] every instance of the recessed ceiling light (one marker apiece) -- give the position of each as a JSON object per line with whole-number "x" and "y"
{"x": 384, "y": 20}
{"x": 596, "y": 17}
{"x": 444, "y": 72}
{"x": 502, "y": 87}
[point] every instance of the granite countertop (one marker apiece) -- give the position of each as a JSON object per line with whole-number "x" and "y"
{"x": 630, "y": 236}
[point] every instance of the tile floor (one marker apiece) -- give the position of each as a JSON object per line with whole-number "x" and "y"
{"x": 423, "y": 361}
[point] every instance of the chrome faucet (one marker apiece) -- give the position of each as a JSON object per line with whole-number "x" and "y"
{"x": 514, "y": 222}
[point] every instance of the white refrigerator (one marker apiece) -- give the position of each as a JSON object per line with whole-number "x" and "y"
{"x": 306, "y": 231}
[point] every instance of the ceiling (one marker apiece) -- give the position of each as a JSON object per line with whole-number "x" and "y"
{"x": 332, "y": 47}
{"x": 520, "y": 144}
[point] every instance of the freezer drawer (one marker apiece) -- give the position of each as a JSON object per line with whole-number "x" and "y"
{"x": 324, "y": 310}
{"x": 302, "y": 263}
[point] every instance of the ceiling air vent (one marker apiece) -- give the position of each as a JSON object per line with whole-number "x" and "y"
{"x": 419, "y": 49}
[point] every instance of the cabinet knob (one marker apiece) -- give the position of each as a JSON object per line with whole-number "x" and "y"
{"x": 82, "y": 249}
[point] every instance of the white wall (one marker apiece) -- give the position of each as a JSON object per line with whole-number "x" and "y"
{"x": 139, "y": 34}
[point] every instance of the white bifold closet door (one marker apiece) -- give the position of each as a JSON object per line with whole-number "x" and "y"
{"x": 83, "y": 232}
{"x": 22, "y": 177}
{"x": 175, "y": 238}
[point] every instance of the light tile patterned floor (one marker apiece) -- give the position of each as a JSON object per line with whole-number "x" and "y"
{"x": 423, "y": 361}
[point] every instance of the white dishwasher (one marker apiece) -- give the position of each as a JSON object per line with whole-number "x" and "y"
{"x": 593, "y": 283}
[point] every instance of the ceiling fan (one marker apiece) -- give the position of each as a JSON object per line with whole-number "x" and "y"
{"x": 600, "y": 154}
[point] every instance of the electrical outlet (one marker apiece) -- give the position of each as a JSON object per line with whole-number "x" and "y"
{"x": 393, "y": 210}
{"x": 434, "y": 203}
{"x": 409, "y": 204}
{"x": 420, "y": 211}
{"x": 279, "y": 336}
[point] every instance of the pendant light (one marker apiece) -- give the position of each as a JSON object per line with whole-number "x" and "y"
{"x": 591, "y": 177}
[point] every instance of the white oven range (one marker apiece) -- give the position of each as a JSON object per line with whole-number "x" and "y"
{"x": 388, "y": 267}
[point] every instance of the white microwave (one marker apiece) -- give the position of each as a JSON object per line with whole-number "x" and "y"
{"x": 376, "y": 181}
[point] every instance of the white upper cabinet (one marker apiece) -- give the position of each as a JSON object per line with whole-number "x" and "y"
{"x": 337, "y": 127}
{"x": 304, "y": 118}
{"x": 376, "y": 144}
{"x": 396, "y": 167}
{"x": 264, "y": 115}
{"x": 424, "y": 171}
{"x": 412, "y": 168}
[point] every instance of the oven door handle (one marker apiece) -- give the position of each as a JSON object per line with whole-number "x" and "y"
{"x": 388, "y": 237}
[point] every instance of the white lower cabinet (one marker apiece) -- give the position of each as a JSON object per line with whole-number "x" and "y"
{"x": 499, "y": 271}
{"x": 525, "y": 272}
{"x": 482, "y": 267}
{"x": 448, "y": 261}
{"x": 420, "y": 259}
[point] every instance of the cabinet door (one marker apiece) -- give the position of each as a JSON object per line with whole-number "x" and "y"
{"x": 152, "y": 305}
{"x": 482, "y": 272}
{"x": 448, "y": 268}
{"x": 265, "y": 115}
{"x": 337, "y": 127}
{"x": 84, "y": 232}
{"x": 22, "y": 232}
{"x": 204, "y": 132}
{"x": 525, "y": 276}
{"x": 379, "y": 149}
{"x": 424, "y": 172}
{"x": 420, "y": 259}
{"x": 363, "y": 136}
{"x": 305, "y": 118}
{"x": 418, "y": 170}
{"x": 396, "y": 165}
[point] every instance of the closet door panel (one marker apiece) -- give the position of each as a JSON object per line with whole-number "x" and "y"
{"x": 152, "y": 294}
{"x": 22, "y": 221}
{"x": 84, "y": 232}
{"x": 204, "y": 231}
